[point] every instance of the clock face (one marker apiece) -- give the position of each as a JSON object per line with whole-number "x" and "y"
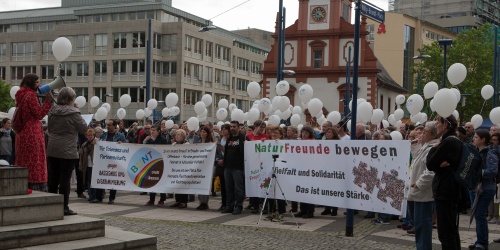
{"x": 318, "y": 14}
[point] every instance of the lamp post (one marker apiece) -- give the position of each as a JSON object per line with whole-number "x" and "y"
{"x": 418, "y": 75}
{"x": 445, "y": 43}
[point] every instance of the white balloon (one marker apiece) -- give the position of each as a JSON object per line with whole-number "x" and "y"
{"x": 423, "y": 117}
{"x": 297, "y": 110}
{"x": 201, "y": 119}
{"x": 444, "y": 102}
{"x": 193, "y": 123}
{"x": 299, "y": 127}
{"x": 278, "y": 113}
{"x": 431, "y": 105}
{"x": 315, "y": 106}
{"x": 121, "y": 113}
{"x": 223, "y": 104}
{"x": 232, "y": 107}
{"x": 305, "y": 93}
{"x": 80, "y": 101}
{"x": 205, "y": 113}
{"x": 107, "y": 106}
{"x": 295, "y": 120}
{"x": 221, "y": 114}
{"x": 171, "y": 100}
{"x": 125, "y": 100}
{"x": 165, "y": 112}
{"x": 253, "y": 114}
{"x": 11, "y": 113}
{"x": 385, "y": 123}
{"x": 4, "y": 163}
{"x": 430, "y": 89}
{"x": 61, "y": 48}
{"x": 349, "y": 124}
{"x": 457, "y": 73}
{"x": 94, "y": 101}
{"x": 282, "y": 125}
{"x": 219, "y": 124}
{"x": 13, "y": 91}
{"x": 283, "y": 103}
{"x": 147, "y": 112}
{"x": 152, "y": 104}
{"x": 414, "y": 104}
{"x": 238, "y": 115}
{"x": 253, "y": 89}
{"x": 398, "y": 114}
{"x": 139, "y": 114}
{"x": 476, "y": 120}
{"x": 169, "y": 124}
{"x": 285, "y": 115}
{"x": 415, "y": 118}
{"x": 264, "y": 104}
{"x": 274, "y": 120}
{"x": 282, "y": 87}
{"x": 207, "y": 99}
{"x": 334, "y": 117}
{"x": 396, "y": 135}
{"x": 175, "y": 111}
{"x": 101, "y": 114}
{"x": 275, "y": 100}
{"x": 365, "y": 111}
{"x": 400, "y": 99}
{"x": 321, "y": 120}
{"x": 377, "y": 116}
{"x": 495, "y": 115}
{"x": 392, "y": 120}
{"x": 199, "y": 107}
{"x": 360, "y": 100}
{"x": 455, "y": 114}
{"x": 398, "y": 125}
{"x": 457, "y": 94}
{"x": 487, "y": 92}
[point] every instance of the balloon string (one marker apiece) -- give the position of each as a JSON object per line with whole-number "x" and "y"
{"x": 482, "y": 107}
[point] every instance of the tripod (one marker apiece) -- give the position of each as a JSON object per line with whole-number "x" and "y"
{"x": 274, "y": 180}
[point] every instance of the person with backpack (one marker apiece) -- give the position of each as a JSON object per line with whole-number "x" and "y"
{"x": 489, "y": 156}
{"x": 443, "y": 161}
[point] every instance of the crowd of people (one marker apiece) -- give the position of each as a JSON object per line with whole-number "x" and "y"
{"x": 434, "y": 198}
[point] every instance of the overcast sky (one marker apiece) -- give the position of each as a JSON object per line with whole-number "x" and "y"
{"x": 260, "y": 14}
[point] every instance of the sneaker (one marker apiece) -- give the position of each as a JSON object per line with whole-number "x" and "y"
{"x": 326, "y": 212}
{"x": 182, "y": 205}
{"x": 406, "y": 227}
{"x": 160, "y": 204}
{"x": 380, "y": 222}
{"x": 202, "y": 207}
{"x": 177, "y": 204}
{"x": 149, "y": 203}
{"x": 111, "y": 201}
{"x": 227, "y": 210}
{"x": 82, "y": 196}
{"x": 69, "y": 212}
{"x": 494, "y": 221}
{"x": 236, "y": 211}
{"x": 308, "y": 216}
{"x": 299, "y": 214}
{"x": 95, "y": 201}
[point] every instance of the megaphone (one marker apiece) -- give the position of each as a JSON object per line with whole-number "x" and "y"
{"x": 58, "y": 83}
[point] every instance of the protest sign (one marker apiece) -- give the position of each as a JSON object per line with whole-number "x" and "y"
{"x": 185, "y": 169}
{"x": 364, "y": 175}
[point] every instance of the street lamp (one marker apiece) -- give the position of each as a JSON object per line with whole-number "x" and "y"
{"x": 288, "y": 72}
{"x": 445, "y": 43}
{"x": 418, "y": 76}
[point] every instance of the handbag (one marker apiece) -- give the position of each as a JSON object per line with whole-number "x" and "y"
{"x": 17, "y": 120}
{"x": 217, "y": 186}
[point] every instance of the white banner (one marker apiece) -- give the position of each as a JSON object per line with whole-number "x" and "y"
{"x": 364, "y": 175}
{"x": 185, "y": 169}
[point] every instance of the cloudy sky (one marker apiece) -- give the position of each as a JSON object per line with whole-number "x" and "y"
{"x": 259, "y": 14}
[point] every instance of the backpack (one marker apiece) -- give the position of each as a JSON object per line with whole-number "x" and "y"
{"x": 469, "y": 171}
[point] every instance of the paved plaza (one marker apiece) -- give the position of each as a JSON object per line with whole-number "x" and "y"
{"x": 192, "y": 229}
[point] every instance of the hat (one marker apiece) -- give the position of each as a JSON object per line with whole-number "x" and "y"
{"x": 461, "y": 130}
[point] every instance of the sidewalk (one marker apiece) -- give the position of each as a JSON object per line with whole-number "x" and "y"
{"x": 192, "y": 229}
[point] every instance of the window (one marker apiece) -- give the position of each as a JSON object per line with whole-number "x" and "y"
{"x": 100, "y": 68}
{"x": 119, "y": 67}
{"x": 157, "y": 41}
{"x": 139, "y": 39}
{"x": 242, "y": 64}
{"x": 317, "y": 59}
{"x": 82, "y": 69}
{"x": 226, "y": 53}
{"x": 65, "y": 69}
{"x": 101, "y": 93}
{"x": 47, "y": 72}
{"x": 256, "y": 67}
{"x": 160, "y": 94}
{"x": 47, "y": 48}
{"x": 209, "y": 74}
{"x": 118, "y": 92}
{"x": 3, "y": 50}
{"x": 189, "y": 41}
{"x": 2, "y": 73}
{"x": 100, "y": 18}
{"x": 82, "y": 92}
{"x": 198, "y": 45}
{"x": 18, "y": 73}
{"x": 198, "y": 71}
{"x": 388, "y": 105}
{"x": 187, "y": 69}
{"x": 101, "y": 43}
{"x": 381, "y": 102}
{"x": 120, "y": 40}
{"x": 82, "y": 43}
{"x": 191, "y": 96}
{"x": 371, "y": 37}
{"x": 241, "y": 84}
{"x": 169, "y": 42}
{"x": 222, "y": 76}
{"x": 169, "y": 68}
{"x": 209, "y": 48}
{"x": 119, "y": 17}
{"x": 408, "y": 49}
{"x": 138, "y": 67}
{"x": 23, "y": 49}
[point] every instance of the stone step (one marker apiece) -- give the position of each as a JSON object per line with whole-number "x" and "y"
{"x": 115, "y": 239}
{"x": 13, "y": 181}
{"x": 35, "y": 207}
{"x": 39, "y": 233}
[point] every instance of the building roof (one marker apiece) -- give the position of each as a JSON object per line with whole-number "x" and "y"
{"x": 385, "y": 80}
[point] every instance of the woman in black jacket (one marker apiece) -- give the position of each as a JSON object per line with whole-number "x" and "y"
{"x": 443, "y": 160}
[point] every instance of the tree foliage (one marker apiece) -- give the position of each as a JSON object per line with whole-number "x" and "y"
{"x": 6, "y": 101}
{"x": 473, "y": 48}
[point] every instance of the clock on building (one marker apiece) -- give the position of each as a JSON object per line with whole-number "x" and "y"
{"x": 318, "y": 14}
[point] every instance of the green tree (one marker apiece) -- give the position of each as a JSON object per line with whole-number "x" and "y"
{"x": 473, "y": 48}
{"x": 6, "y": 101}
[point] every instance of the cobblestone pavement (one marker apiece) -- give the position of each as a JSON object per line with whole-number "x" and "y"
{"x": 193, "y": 229}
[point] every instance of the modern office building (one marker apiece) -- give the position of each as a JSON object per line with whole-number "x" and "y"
{"x": 110, "y": 53}
{"x": 398, "y": 40}
{"x": 456, "y": 15}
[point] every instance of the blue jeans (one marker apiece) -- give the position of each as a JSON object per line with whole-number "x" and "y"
{"x": 480, "y": 216}
{"x": 422, "y": 220}
{"x": 235, "y": 187}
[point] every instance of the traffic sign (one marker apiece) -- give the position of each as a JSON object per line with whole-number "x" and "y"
{"x": 371, "y": 11}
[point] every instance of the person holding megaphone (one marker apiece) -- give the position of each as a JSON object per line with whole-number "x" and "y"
{"x": 30, "y": 142}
